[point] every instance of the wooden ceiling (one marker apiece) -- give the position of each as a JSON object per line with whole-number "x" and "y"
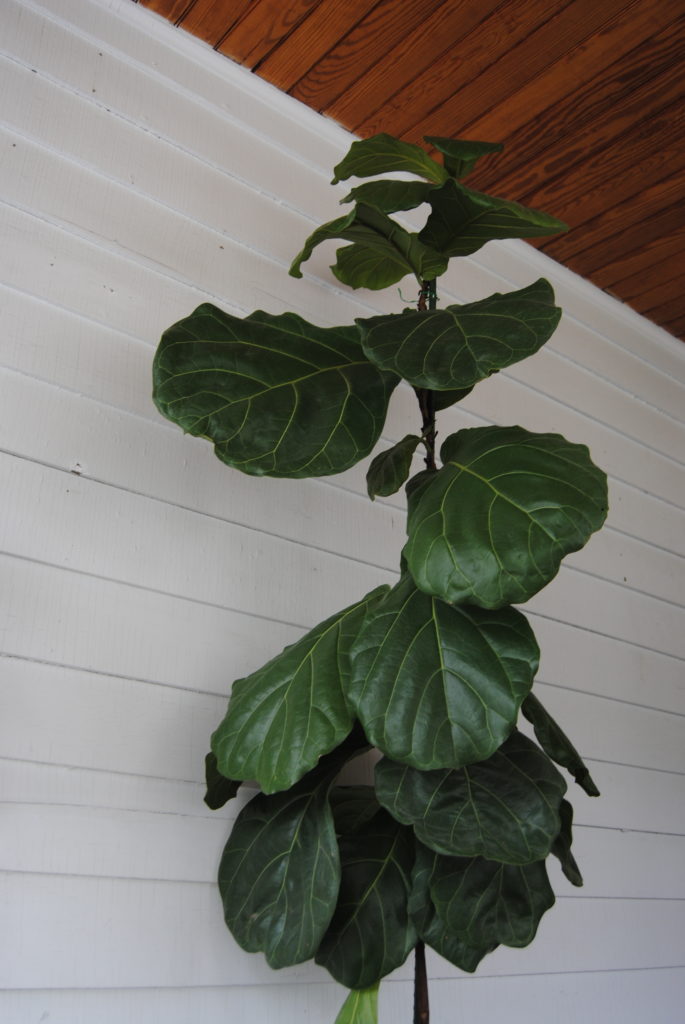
{"x": 586, "y": 95}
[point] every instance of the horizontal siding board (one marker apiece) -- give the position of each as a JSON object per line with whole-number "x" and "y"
{"x": 163, "y": 847}
{"x": 594, "y": 997}
{"x": 144, "y": 915}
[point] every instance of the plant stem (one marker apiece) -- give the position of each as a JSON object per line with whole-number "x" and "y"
{"x": 421, "y": 1011}
{"x": 426, "y": 398}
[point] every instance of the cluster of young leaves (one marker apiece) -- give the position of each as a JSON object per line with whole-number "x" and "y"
{"x": 449, "y": 846}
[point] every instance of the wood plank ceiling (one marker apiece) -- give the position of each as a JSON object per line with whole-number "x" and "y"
{"x": 586, "y": 95}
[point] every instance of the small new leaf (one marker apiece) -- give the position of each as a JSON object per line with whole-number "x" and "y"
{"x": 462, "y": 220}
{"x": 219, "y": 789}
{"x": 360, "y": 1007}
{"x": 275, "y": 394}
{"x": 382, "y": 153}
{"x": 494, "y": 523}
{"x": 460, "y": 156}
{"x": 556, "y": 743}
{"x": 505, "y": 808}
{"x": 389, "y": 470}
{"x": 561, "y": 847}
{"x": 390, "y": 196}
{"x": 456, "y": 347}
{"x": 437, "y": 686}
{"x": 287, "y": 714}
{"x": 382, "y": 252}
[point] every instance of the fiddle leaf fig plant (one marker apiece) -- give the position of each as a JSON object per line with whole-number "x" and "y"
{"x": 448, "y": 847}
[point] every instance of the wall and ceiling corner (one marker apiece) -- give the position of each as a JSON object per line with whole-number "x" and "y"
{"x": 142, "y": 174}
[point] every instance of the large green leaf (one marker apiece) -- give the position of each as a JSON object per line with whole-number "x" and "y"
{"x": 430, "y": 926}
{"x": 462, "y": 220}
{"x": 280, "y": 870}
{"x": 389, "y": 470}
{"x": 371, "y": 933}
{"x": 488, "y": 903}
{"x": 454, "y": 348}
{"x": 561, "y": 847}
{"x": 382, "y": 252}
{"x": 494, "y": 523}
{"x": 437, "y": 686}
{"x": 360, "y": 1007}
{"x": 390, "y": 195}
{"x": 382, "y": 153}
{"x": 556, "y": 743}
{"x": 460, "y": 156}
{"x": 505, "y": 808}
{"x": 284, "y": 716}
{"x": 276, "y": 395}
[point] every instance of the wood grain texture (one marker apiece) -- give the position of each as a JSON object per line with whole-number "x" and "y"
{"x": 265, "y": 24}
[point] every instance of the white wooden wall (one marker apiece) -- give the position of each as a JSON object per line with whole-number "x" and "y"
{"x": 142, "y": 174}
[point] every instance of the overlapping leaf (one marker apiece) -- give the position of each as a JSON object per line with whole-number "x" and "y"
{"x": 430, "y": 926}
{"x": 381, "y": 153}
{"x": 389, "y": 470}
{"x": 280, "y": 871}
{"x": 284, "y": 716}
{"x": 505, "y": 808}
{"x": 371, "y": 933}
{"x": 390, "y": 196}
{"x": 276, "y": 395}
{"x": 494, "y": 523}
{"x": 487, "y": 903}
{"x": 463, "y": 220}
{"x": 454, "y": 348}
{"x": 437, "y": 686}
{"x": 382, "y": 252}
{"x": 556, "y": 743}
{"x": 460, "y": 156}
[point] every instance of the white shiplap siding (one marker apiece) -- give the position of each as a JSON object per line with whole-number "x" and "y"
{"x": 141, "y": 174}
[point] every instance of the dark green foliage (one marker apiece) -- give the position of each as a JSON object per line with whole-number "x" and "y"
{"x": 456, "y": 347}
{"x": 439, "y": 686}
{"x": 496, "y": 520}
{"x": 449, "y": 845}
{"x": 505, "y": 808}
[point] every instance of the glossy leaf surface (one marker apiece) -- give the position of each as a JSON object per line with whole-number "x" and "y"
{"x": 485, "y": 902}
{"x": 382, "y": 153}
{"x": 437, "y": 686}
{"x": 219, "y": 789}
{"x": 389, "y": 470}
{"x": 371, "y": 933}
{"x": 283, "y": 717}
{"x": 360, "y": 1007}
{"x": 494, "y": 523}
{"x": 382, "y": 252}
{"x": 505, "y": 808}
{"x": 276, "y": 395}
{"x": 556, "y": 743}
{"x": 280, "y": 872}
{"x": 463, "y": 220}
{"x": 460, "y": 156}
{"x": 456, "y": 347}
